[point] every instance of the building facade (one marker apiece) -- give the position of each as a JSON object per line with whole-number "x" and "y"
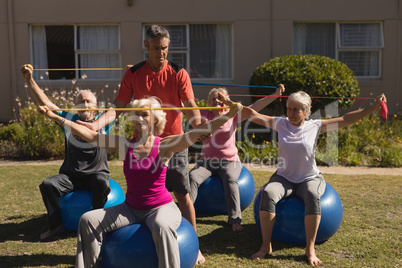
{"x": 219, "y": 42}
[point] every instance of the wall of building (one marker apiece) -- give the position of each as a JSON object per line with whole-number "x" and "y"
{"x": 262, "y": 30}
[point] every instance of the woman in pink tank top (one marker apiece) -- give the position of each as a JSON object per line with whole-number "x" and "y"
{"x": 219, "y": 154}
{"x": 147, "y": 199}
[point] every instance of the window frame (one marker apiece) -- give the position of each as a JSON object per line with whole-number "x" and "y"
{"x": 78, "y": 52}
{"x": 339, "y": 48}
{"x": 187, "y": 50}
{"x": 379, "y": 49}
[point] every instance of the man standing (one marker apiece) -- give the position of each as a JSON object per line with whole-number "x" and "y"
{"x": 85, "y": 166}
{"x": 171, "y": 84}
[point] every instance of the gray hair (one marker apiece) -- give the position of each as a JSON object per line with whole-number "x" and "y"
{"x": 303, "y": 98}
{"x": 156, "y": 31}
{"x": 217, "y": 90}
{"x": 159, "y": 116}
{"x": 82, "y": 91}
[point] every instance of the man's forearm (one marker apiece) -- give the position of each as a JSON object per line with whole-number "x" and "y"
{"x": 194, "y": 116}
{"x": 108, "y": 117}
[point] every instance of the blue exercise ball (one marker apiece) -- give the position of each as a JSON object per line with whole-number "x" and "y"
{"x": 133, "y": 246}
{"x": 289, "y": 222}
{"x": 76, "y": 203}
{"x": 211, "y": 196}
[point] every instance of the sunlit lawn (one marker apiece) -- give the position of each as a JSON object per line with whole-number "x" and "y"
{"x": 368, "y": 237}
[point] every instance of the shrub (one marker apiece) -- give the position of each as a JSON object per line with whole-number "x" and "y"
{"x": 266, "y": 153}
{"x": 372, "y": 141}
{"x": 33, "y": 136}
{"x": 316, "y": 75}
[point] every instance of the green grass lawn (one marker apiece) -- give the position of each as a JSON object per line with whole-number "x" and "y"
{"x": 369, "y": 236}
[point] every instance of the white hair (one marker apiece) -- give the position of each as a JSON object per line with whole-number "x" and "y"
{"x": 82, "y": 91}
{"x": 217, "y": 90}
{"x": 158, "y": 115}
{"x": 303, "y": 98}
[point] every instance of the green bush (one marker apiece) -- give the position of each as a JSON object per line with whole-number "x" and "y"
{"x": 316, "y": 75}
{"x": 33, "y": 136}
{"x": 372, "y": 141}
{"x": 265, "y": 153}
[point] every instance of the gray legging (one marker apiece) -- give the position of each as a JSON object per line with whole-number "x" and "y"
{"x": 163, "y": 222}
{"x": 310, "y": 191}
{"x": 228, "y": 172}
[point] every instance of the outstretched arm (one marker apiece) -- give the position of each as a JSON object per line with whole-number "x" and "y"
{"x": 260, "y": 119}
{"x": 261, "y": 103}
{"x": 175, "y": 143}
{"x": 109, "y": 142}
{"x": 40, "y": 97}
{"x": 106, "y": 118}
{"x": 351, "y": 117}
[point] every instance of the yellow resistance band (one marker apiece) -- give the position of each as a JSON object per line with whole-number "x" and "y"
{"x": 141, "y": 109}
{"x": 82, "y": 69}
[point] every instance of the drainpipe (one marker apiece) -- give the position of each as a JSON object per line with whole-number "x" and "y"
{"x": 11, "y": 44}
{"x": 272, "y": 29}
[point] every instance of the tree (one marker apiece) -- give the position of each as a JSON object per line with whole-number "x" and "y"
{"x": 313, "y": 74}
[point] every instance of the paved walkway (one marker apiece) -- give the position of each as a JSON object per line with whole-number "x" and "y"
{"x": 326, "y": 170}
{"x": 341, "y": 170}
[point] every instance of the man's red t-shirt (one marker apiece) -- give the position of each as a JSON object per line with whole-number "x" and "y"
{"x": 171, "y": 85}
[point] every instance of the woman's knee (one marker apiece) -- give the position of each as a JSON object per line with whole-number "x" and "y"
{"x": 268, "y": 201}
{"x": 312, "y": 204}
{"x": 86, "y": 218}
{"x": 232, "y": 179}
{"x": 168, "y": 218}
{"x": 193, "y": 180}
{"x": 198, "y": 175}
{"x": 160, "y": 228}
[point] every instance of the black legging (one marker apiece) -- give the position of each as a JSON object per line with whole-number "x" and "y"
{"x": 60, "y": 185}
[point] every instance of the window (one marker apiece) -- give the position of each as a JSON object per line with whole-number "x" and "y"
{"x": 76, "y": 47}
{"x": 205, "y": 50}
{"x": 358, "y": 45}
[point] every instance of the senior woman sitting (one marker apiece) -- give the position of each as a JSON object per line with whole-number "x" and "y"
{"x": 297, "y": 172}
{"x": 147, "y": 199}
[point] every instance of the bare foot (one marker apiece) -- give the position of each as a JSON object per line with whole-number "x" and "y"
{"x": 237, "y": 227}
{"x": 200, "y": 258}
{"x": 312, "y": 259}
{"x": 262, "y": 253}
{"x": 59, "y": 229}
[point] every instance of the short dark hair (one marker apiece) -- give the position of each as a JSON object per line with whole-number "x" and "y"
{"x": 156, "y": 31}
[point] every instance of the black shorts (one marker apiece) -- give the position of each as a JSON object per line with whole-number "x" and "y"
{"x": 177, "y": 178}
